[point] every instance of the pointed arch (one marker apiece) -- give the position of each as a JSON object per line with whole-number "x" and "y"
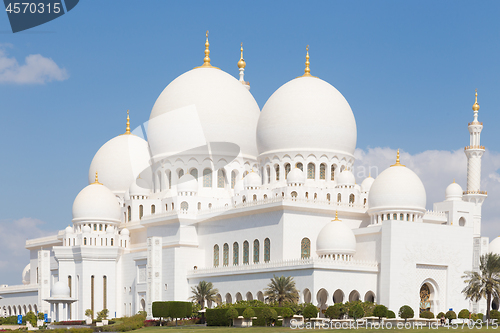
{"x": 305, "y": 248}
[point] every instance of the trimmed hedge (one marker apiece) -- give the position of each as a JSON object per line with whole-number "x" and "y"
{"x": 172, "y": 309}
{"x": 217, "y": 317}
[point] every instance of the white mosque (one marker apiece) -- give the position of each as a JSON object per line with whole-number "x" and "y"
{"x": 225, "y": 192}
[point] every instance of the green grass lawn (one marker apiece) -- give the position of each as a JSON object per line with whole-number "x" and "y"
{"x": 203, "y": 329}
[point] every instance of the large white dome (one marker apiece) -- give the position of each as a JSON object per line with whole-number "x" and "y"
{"x": 60, "y": 290}
{"x": 335, "y": 238}
{"x": 366, "y": 185}
{"x": 495, "y": 246}
{"x": 200, "y": 106}
{"x": 119, "y": 161}
{"x": 397, "y": 188}
{"x": 308, "y": 114}
{"x": 96, "y": 203}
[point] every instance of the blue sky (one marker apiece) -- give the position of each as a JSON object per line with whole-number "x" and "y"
{"x": 407, "y": 68}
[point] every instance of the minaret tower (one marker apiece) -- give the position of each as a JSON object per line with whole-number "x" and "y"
{"x": 241, "y": 65}
{"x": 474, "y": 152}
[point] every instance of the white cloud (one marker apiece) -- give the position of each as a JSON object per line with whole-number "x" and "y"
{"x": 437, "y": 169}
{"x": 36, "y": 69}
{"x": 13, "y": 236}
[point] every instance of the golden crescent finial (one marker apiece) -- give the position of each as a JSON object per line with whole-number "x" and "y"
{"x": 475, "y": 107}
{"x": 127, "y": 130}
{"x": 397, "y": 160}
{"x": 97, "y": 179}
{"x": 206, "y": 60}
{"x": 336, "y": 216}
{"x": 241, "y": 63}
{"x": 307, "y": 70}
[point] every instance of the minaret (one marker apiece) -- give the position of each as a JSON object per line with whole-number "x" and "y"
{"x": 241, "y": 65}
{"x": 474, "y": 152}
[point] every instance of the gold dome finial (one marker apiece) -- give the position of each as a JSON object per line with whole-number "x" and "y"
{"x": 453, "y": 180}
{"x": 397, "y": 161}
{"x": 127, "y": 130}
{"x": 206, "y": 60}
{"x": 307, "y": 71}
{"x": 336, "y": 216}
{"x": 475, "y": 107}
{"x": 241, "y": 63}
{"x": 97, "y": 179}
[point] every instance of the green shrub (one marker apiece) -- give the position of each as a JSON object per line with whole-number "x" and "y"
{"x": 406, "y": 312}
{"x": 356, "y": 312}
{"x": 269, "y": 315}
{"x": 172, "y": 309}
{"x": 41, "y": 316}
{"x": 391, "y": 314}
{"x": 464, "y": 314}
{"x": 231, "y": 314}
{"x": 336, "y": 311}
{"x": 12, "y": 320}
{"x": 217, "y": 317}
{"x": 81, "y": 330}
{"x": 476, "y": 316}
{"x": 286, "y": 313}
{"x": 426, "y": 315}
{"x": 310, "y": 311}
{"x": 102, "y": 314}
{"x": 126, "y": 324}
{"x": 249, "y": 313}
{"x": 494, "y": 314}
{"x": 440, "y": 314}
{"x": 450, "y": 315}
{"x": 30, "y": 317}
{"x": 380, "y": 311}
{"x": 160, "y": 310}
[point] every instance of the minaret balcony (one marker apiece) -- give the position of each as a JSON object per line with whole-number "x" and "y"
{"x": 474, "y": 147}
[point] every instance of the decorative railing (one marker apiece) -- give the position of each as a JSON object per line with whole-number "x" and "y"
{"x": 475, "y": 192}
{"x": 474, "y": 147}
{"x": 432, "y": 213}
{"x": 475, "y": 123}
{"x": 371, "y": 265}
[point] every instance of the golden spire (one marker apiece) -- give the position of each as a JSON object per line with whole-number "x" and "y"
{"x": 336, "y": 216}
{"x": 241, "y": 63}
{"x": 453, "y": 180}
{"x": 397, "y": 161}
{"x": 96, "y": 179}
{"x": 307, "y": 71}
{"x": 206, "y": 60}
{"x": 475, "y": 107}
{"x": 127, "y": 131}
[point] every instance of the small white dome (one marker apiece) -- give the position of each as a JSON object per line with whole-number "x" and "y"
{"x": 86, "y": 229}
{"x": 307, "y": 114}
{"x": 68, "y": 230}
{"x": 453, "y": 192}
{"x": 346, "y": 178}
{"x": 26, "y": 274}
{"x": 96, "y": 203}
{"x": 203, "y": 105}
{"x": 119, "y": 161}
{"x": 397, "y": 188}
{"x": 187, "y": 183}
{"x": 252, "y": 180}
{"x": 336, "y": 238}
{"x": 495, "y": 246}
{"x": 367, "y": 184}
{"x": 296, "y": 176}
{"x": 125, "y": 232}
{"x": 139, "y": 187}
{"x": 60, "y": 290}
{"x": 110, "y": 229}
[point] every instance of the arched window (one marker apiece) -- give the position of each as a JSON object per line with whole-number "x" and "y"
{"x": 299, "y": 166}
{"x": 307, "y": 195}
{"x": 265, "y": 196}
{"x": 233, "y": 178}
{"x": 129, "y": 213}
{"x": 246, "y": 252}
{"x": 388, "y": 216}
{"x": 293, "y": 194}
{"x": 141, "y": 212}
{"x": 351, "y": 198}
{"x": 225, "y": 255}
{"x": 105, "y": 292}
{"x": 254, "y": 197}
{"x": 305, "y": 248}
{"x": 199, "y": 205}
{"x": 216, "y": 255}
{"x": 112, "y": 242}
{"x": 180, "y": 173}
{"x": 169, "y": 177}
{"x": 328, "y": 196}
{"x": 401, "y": 217}
{"x": 207, "y": 178}
{"x": 172, "y": 206}
{"x": 287, "y": 170}
{"x": 236, "y": 250}
{"x": 339, "y": 197}
{"x": 256, "y": 253}
{"x": 311, "y": 171}
{"x": 184, "y": 205}
{"x": 153, "y": 209}
{"x": 277, "y": 171}
{"x": 394, "y": 216}
{"x": 244, "y": 199}
{"x": 221, "y": 179}
{"x": 332, "y": 170}
{"x": 322, "y": 171}
{"x": 268, "y": 170}
{"x": 95, "y": 227}
{"x": 364, "y": 201}
{"x": 267, "y": 250}
{"x": 92, "y": 295}
{"x": 100, "y": 227}
{"x": 85, "y": 241}
{"x": 194, "y": 172}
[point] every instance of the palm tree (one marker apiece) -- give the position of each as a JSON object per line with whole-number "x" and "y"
{"x": 282, "y": 289}
{"x": 204, "y": 291}
{"x": 485, "y": 282}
